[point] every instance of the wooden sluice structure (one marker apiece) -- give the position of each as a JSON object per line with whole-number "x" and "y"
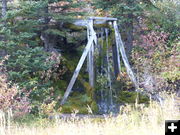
{"x": 89, "y": 52}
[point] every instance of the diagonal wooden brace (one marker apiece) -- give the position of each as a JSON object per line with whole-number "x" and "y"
{"x": 78, "y": 68}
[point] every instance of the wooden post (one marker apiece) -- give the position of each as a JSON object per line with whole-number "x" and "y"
{"x": 91, "y": 57}
{"x": 89, "y": 50}
{"x": 121, "y": 49}
{"x": 115, "y": 65}
{"x": 117, "y": 49}
{"x": 88, "y": 36}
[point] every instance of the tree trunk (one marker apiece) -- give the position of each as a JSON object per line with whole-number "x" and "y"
{"x": 4, "y": 7}
{"x": 46, "y": 18}
{"x": 45, "y": 37}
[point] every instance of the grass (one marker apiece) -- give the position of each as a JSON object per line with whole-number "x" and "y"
{"x": 137, "y": 119}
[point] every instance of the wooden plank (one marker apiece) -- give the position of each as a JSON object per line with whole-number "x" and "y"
{"x": 123, "y": 54}
{"x": 91, "y": 57}
{"x": 115, "y": 65}
{"x": 117, "y": 48}
{"x": 77, "y": 70}
{"x": 103, "y": 18}
{"x": 88, "y": 36}
{"x": 92, "y": 65}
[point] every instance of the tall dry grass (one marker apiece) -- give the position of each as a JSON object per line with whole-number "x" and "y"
{"x": 133, "y": 119}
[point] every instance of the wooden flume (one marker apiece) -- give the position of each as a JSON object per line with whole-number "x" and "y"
{"x": 88, "y": 53}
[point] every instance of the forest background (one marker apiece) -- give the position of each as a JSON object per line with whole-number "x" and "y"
{"x": 40, "y": 47}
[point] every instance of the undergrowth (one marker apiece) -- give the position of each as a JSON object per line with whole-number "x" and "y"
{"x": 133, "y": 119}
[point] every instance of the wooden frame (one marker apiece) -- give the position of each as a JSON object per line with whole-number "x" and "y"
{"x": 89, "y": 51}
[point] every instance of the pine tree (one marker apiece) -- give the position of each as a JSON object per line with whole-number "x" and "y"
{"x": 21, "y": 43}
{"x": 25, "y": 24}
{"x": 59, "y": 15}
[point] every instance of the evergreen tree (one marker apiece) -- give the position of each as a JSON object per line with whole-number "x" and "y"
{"x": 22, "y": 41}
{"x": 59, "y": 15}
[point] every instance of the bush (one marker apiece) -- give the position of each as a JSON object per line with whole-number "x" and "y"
{"x": 11, "y": 98}
{"x": 156, "y": 63}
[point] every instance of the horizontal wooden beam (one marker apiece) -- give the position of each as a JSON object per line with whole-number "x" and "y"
{"x": 103, "y": 18}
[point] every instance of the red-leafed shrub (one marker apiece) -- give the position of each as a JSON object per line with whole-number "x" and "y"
{"x": 157, "y": 64}
{"x": 11, "y": 97}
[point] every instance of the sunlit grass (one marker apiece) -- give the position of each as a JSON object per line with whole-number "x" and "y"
{"x": 133, "y": 119}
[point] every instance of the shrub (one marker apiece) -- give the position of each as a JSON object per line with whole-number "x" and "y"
{"x": 156, "y": 63}
{"x": 11, "y": 97}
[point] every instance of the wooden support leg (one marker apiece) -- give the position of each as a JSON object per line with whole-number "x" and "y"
{"x": 87, "y": 50}
{"x": 91, "y": 65}
{"x": 115, "y": 62}
{"x": 88, "y": 36}
{"x": 91, "y": 59}
{"x": 121, "y": 49}
{"x": 117, "y": 50}
{"x": 77, "y": 70}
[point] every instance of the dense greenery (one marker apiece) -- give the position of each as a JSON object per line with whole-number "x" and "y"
{"x": 42, "y": 46}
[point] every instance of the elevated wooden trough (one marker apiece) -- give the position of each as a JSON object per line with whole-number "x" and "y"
{"x": 90, "y": 48}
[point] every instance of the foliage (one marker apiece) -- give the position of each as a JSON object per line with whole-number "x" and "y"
{"x": 11, "y": 98}
{"x": 28, "y": 64}
{"x": 136, "y": 119}
{"x": 157, "y": 64}
{"x": 166, "y": 18}
{"x": 32, "y": 28}
{"x": 126, "y": 97}
{"x": 48, "y": 109}
{"x": 81, "y": 103}
{"x": 128, "y": 12}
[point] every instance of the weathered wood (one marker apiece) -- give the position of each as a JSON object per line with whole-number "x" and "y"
{"x": 89, "y": 50}
{"x": 77, "y": 70}
{"x": 79, "y": 25}
{"x": 92, "y": 65}
{"x": 115, "y": 65}
{"x": 117, "y": 50}
{"x": 91, "y": 57}
{"x": 88, "y": 36}
{"x": 120, "y": 46}
{"x": 103, "y": 18}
